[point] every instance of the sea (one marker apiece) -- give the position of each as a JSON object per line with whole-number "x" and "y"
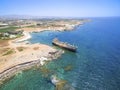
{"x": 95, "y": 65}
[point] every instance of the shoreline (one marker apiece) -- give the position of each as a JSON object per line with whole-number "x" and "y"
{"x": 38, "y": 59}
{"x": 8, "y": 73}
{"x": 26, "y": 37}
{"x": 28, "y": 60}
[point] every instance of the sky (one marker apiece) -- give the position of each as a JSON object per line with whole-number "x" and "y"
{"x": 61, "y": 8}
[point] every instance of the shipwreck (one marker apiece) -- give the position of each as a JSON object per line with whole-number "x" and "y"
{"x": 64, "y": 45}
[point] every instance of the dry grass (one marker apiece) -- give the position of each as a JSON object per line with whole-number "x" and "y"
{"x": 3, "y": 43}
{"x": 8, "y": 52}
{"x": 3, "y": 50}
{"x": 36, "y": 48}
{"x": 20, "y": 48}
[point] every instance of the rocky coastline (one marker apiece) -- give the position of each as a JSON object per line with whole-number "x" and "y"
{"x": 24, "y": 56}
{"x": 8, "y": 73}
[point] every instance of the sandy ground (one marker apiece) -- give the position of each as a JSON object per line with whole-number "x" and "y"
{"x": 28, "y": 53}
{"x": 31, "y": 52}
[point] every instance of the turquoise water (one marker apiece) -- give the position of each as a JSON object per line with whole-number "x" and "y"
{"x": 95, "y": 66}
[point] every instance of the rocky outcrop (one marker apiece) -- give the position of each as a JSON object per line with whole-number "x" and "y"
{"x": 61, "y": 84}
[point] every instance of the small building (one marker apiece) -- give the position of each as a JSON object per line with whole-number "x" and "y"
{"x": 3, "y": 24}
{"x": 12, "y": 36}
{"x": 15, "y": 32}
{"x": 5, "y": 34}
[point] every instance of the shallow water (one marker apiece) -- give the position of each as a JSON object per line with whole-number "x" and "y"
{"x": 95, "y": 66}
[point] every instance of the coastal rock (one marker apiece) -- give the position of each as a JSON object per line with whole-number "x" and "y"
{"x": 61, "y": 84}
{"x": 7, "y": 73}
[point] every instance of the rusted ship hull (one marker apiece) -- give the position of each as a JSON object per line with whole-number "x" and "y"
{"x": 64, "y": 46}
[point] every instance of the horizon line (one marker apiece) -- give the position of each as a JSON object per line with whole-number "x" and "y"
{"x": 7, "y": 15}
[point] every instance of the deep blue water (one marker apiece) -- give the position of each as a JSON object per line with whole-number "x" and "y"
{"x": 95, "y": 66}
